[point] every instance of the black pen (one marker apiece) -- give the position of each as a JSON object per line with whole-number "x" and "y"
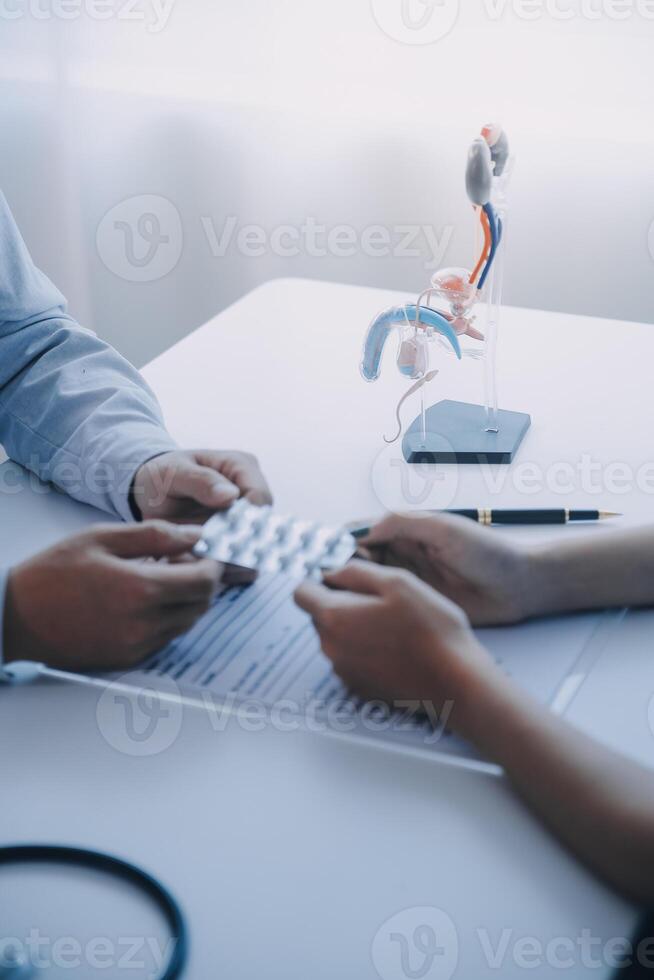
{"x": 487, "y": 515}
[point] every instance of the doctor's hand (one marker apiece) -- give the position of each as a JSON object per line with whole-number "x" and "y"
{"x": 490, "y": 578}
{"x": 86, "y": 604}
{"x": 390, "y": 636}
{"x": 188, "y": 486}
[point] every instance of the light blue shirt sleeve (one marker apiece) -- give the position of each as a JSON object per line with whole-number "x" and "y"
{"x": 3, "y": 588}
{"x": 72, "y": 410}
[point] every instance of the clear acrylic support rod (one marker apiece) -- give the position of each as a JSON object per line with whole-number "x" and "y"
{"x": 493, "y": 308}
{"x": 423, "y": 420}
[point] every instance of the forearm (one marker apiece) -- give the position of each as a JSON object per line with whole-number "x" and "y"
{"x": 599, "y": 803}
{"x": 71, "y": 408}
{"x": 613, "y": 568}
{"x": 77, "y": 414}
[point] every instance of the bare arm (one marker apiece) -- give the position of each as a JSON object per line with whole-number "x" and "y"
{"x": 613, "y": 568}
{"x": 390, "y": 636}
{"x": 599, "y": 803}
{"x": 496, "y": 581}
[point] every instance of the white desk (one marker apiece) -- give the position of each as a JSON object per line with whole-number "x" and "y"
{"x": 290, "y": 851}
{"x": 287, "y": 358}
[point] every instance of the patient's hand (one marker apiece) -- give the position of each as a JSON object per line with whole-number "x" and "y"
{"x": 87, "y": 604}
{"x": 392, "y": 637}
{"x": 189, "y": 486}
{"x": 474, "y": 566}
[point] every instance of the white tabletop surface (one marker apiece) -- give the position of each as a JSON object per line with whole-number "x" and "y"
{"x": 279, "y": 373}
{"x": 290, "y": 852}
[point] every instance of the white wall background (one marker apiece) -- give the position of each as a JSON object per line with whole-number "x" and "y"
{"x": 275, "y": 112}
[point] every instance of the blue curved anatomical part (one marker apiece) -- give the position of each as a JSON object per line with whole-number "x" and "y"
{"x": 381, "y": 327}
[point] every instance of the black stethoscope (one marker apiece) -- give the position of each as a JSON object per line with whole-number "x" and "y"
{"x": 18, "y": 968}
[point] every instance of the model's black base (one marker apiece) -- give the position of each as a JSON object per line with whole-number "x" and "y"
{"x": 456, "y": 434}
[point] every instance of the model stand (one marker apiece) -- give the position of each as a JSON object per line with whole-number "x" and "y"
{"x": 452, "y": 431}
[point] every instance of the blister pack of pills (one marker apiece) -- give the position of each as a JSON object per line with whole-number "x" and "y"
{"x": 257, "y": 538}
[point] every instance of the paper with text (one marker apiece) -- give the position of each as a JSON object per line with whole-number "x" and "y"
{"x": 256, "y": 647}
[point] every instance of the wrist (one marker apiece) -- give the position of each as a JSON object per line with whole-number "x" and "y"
{"x": 545, "y": 581}
{"x": 4, "y": 644}
{"x": 486, "y": 708}
{"x": 139, "y": 494}
{"x": 467, "y": 681}
{"x": 18, "y": 641}
{"x": 132, "y": 497}
{"x": 11, "y": 645}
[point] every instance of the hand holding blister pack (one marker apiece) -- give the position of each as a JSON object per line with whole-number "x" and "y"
{"x": 258, "y": 539}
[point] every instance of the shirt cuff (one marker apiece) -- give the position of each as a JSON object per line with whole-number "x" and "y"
{"x": 4, "y": 574}
{"x": 18, "y": 671}
{"x": 108, "y": 477}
